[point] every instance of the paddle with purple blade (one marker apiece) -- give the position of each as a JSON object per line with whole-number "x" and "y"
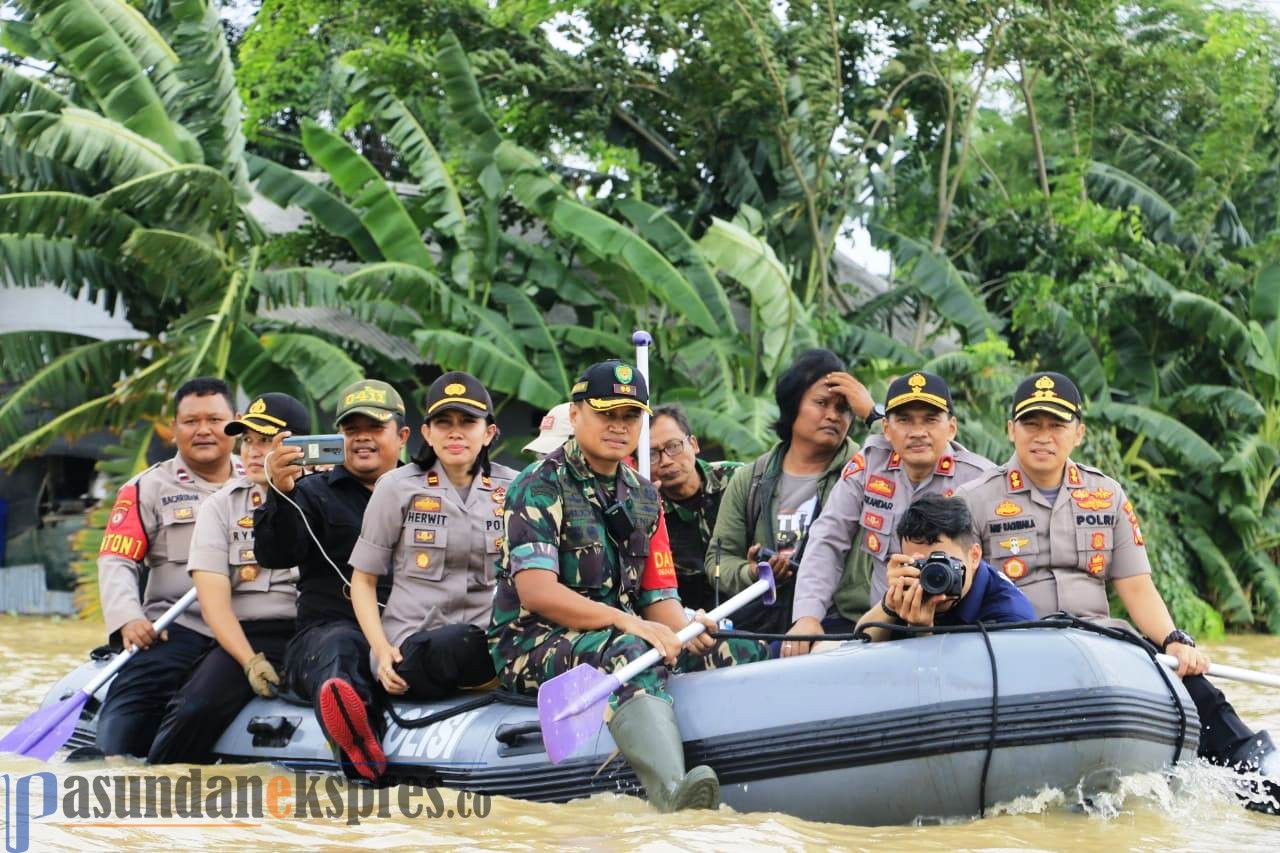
{"x": 44, "y": 732}
{"x": 571, "y": 705}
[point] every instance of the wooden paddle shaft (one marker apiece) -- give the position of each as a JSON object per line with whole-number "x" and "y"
{"x": 1233, "y": 673}
{"x": 165, "y": 620}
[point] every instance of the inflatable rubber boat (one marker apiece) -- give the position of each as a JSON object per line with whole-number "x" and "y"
{"x": 864, "y": 734}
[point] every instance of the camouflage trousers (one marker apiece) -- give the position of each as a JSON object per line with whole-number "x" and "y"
{"x": 559, "y": 650}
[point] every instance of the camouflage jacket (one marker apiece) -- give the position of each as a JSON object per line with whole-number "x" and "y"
{"x": 555, "y": 521}
{"x": 689, "y": 524}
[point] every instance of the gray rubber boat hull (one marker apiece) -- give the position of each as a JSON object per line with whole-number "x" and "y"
{"x": 866, "y": 734}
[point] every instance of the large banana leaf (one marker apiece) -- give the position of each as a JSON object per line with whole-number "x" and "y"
{"x": 751, "y": 262}
{"x": 1231, "y": 598}
{"x": 1208, "y": 319}
{"x": 33, "y": 260}
{"x": 604, "y": 238}
{"x": 498, "y": 370}
{"x": 89, "y": 143}
{"x": 529, "y": 323}
{"x": 57, "y": 214}
{"x": 146, "y": 44}
{"x": 1117, "y": 188}
{"x": 93, "y": 51}
{"x": 463, "y": 94}
{"x": 537, "y": 265}
{"x": 1221, "y": 400}
{"x": 21, "y": 94}
{"x": 210, "y": 106}
{"x": 285, "y": 187}
{"x": 1077, "y": 350}
{"x": 324, "y": 369}
{"x": 1161, "y": 430}
{"x": 935, "y": 277}
{"x": 25, "y": 352}
{"x": 1264, "y": 307}
{"x": 380, "y": 209}
{"x": 405, "y": 132}
{"x": 662, "y": 232}
{"x": 1265, "y": 577}
{"x": 184, "y": 263}
{"x": 191, "y": 199}
{"x": 66, "y": 380}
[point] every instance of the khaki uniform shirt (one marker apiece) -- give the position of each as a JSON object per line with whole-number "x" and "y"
{"x": 223, "y": 544}
{"x": 863, "y": 511}
{"x": 1061, "y": 554}
{"x": 440, "y": 550}
{"x": 152, "y": 522}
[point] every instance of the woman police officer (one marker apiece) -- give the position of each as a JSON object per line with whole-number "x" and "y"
{"x": 438, "y": 523}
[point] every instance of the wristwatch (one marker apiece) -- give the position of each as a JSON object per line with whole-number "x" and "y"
{"x": 1177, "y": 635}
{"x": 877, "y": 412}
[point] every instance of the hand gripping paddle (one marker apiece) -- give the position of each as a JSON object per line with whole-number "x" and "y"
{"x": 44, "y": 732}
{"x": 571, "y": 705}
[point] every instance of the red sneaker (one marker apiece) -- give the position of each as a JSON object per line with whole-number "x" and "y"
{"x": 345, "y": 722}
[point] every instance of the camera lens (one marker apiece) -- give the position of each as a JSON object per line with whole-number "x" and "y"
{"x": 935, "y": 578}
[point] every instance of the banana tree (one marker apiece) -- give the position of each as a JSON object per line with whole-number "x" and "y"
{"x": 525, "y": 306}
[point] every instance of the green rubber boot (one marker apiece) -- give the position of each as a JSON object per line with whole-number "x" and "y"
{"x": 645, "y": 731}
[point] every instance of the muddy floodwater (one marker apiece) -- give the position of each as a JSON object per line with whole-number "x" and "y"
{"x": 1192, "y": 809}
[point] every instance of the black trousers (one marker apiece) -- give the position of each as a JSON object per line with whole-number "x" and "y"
{"x": 136, "y": 701}
{"x": 438, "y": 662}
{"x": 330, "y": 650}
{"x": 212, "y": 696}
{"x": 1221, "y": 729}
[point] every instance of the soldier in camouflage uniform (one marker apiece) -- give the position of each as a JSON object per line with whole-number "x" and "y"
{"x": 691, "y": 490}
{"x": 587, "y": 577}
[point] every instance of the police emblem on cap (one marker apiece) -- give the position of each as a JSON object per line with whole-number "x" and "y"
{"x": 916, "y": 382}
{"x": 455, "y": 388}
{"x": 624, "y": 374}
{"x": 1045, "y": 383}
{"x": 259, "y": 406}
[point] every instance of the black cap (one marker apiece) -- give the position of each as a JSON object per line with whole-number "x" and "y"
{"x": 611, "y": 384}
{"x": 918, "y": 387}
{"x": 460, "y": 391}
{"x": 268, "y": 414}
{"x": 1047, "y": 392}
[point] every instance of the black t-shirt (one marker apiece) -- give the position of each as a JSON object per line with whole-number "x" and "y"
{"x": 334, "y": 504}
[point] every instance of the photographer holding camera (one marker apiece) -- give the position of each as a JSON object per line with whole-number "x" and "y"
{"x": 953, "y": 585}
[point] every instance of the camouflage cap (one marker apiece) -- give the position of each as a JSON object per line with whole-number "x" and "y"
{"x": 370, "y": 397}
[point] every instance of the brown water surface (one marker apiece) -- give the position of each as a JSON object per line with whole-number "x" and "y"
{"x": 1194, "y": 811}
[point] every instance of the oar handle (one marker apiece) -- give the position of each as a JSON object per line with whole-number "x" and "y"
{"x": 165, "y": 620}
{"x": 693, "y": 629}
{"x": 643, "y": 340}
{"x": 1232, "y": 673}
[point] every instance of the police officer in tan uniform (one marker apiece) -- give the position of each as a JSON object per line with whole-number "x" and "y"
{"x": 142, "y": 566}
{"x": 1062, "y": 531}
{"x": 436, "y": 527}
{"x": 250, "y": 609}
{"x": 916, "y": 456}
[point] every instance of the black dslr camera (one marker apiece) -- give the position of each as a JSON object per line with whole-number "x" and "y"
{"x": 941, "y": 574}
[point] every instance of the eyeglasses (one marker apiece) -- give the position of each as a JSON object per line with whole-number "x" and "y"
{"x": 672, "y": 449}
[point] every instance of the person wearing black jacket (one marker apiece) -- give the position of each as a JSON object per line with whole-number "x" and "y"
{"x": 329, "y": 652}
